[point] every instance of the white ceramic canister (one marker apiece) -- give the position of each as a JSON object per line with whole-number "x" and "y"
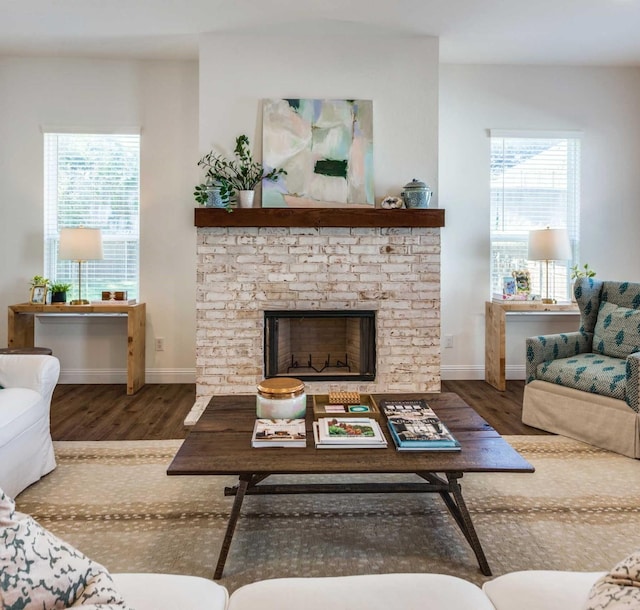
{"x": 281, "y": 398}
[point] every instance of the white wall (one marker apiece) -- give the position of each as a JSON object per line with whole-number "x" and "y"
{"x": 403, "y": 81}
{"x": 162, "y": 99}
{"x": 237, "y": 71}
{"x": 602, "y": 102}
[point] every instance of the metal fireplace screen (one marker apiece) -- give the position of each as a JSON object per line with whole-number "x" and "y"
{"x": 320, "y": 345}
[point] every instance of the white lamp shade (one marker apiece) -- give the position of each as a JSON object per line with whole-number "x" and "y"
{"x": 549, "y": 245}
{"x": 80, "y": 244}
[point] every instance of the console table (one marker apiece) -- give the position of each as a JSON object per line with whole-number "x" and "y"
{"x": 22, "y": 326}
{"x": 495, "y": 332}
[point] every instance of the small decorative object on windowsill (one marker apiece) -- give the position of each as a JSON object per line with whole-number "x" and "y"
{"x": 416, "y": 194}
{"x": 234, "y": 175}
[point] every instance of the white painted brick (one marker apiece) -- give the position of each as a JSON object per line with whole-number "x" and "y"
{"x": 282, "y": 277}
{"x": 334, "y": 232}
{"x": 330, "y": 268}
{"x": 362, "y": 250}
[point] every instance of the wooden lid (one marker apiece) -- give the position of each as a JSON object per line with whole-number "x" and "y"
{"x": 281, "y": 387}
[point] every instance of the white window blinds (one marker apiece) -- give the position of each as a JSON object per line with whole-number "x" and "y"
{"x": 93, "y": 180}
{"x": 535, "y": 183}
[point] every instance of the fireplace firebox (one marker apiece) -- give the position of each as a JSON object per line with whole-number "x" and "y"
{"x": 332, "y": 345}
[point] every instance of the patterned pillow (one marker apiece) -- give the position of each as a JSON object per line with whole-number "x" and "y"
{"x": 617, "y": 331}
{"x": 38, "y": 570}
{"x": 619, "y": 589}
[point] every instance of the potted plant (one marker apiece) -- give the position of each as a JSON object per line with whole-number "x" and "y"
{"x": 240, "y": 174}
{"x": 38, "y": 280}
{"x": 584, "y": 271}
{"x": 59, "y": 292}
{"x": 578, "y": 272}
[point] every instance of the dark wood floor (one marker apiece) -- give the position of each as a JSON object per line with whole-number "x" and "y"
{"x": 105, "y": 412}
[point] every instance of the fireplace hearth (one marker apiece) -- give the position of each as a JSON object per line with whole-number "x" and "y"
{"x": 332, "y": 345}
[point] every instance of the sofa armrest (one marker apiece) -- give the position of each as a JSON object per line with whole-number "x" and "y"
{"x": 551, "y": 347}
{"x": 633, "y": 381}
{"x": 541, "y": 590}
{"x": 34, "y": 372}
{"x": 147, "y": 591}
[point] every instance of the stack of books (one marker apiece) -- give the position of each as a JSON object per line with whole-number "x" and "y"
{"x": 348, "y": 433}
{"x": 279, "y": 433}
{"x": 415, "y": 427}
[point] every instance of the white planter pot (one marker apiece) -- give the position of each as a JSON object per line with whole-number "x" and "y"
{"x": 246, "y": 198}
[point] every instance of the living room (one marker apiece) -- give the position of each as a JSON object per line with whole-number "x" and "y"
{"x": 433, "y": 108}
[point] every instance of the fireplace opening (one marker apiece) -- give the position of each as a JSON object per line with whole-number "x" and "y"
{"x": 334, "y": 345}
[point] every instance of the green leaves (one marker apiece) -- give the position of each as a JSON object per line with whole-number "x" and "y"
{"x": 577, "y": 272}
{"x": 241, "y": 173}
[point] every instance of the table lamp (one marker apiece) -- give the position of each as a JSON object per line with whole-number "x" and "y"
{"x": 549, "y": 245}
{"x": 80, "y": 244}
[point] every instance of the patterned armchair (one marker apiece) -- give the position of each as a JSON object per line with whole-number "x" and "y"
{"x": 585, "y": 384}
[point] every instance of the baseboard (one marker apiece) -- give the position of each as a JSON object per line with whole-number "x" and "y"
{"x": 120, "y": 376}
{"x": 453, "y": 372}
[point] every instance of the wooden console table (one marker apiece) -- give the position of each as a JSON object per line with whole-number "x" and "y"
{"x": 22, "y": 326}
{"x": 495, "y": 333}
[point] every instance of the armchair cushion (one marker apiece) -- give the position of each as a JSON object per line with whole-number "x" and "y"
{"x": 549, "y": 347}
{"x": 592, "y": 373}
{"x": 617, "y": 331}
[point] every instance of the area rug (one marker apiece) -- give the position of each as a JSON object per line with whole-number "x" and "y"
{"x": 580, "y": 510}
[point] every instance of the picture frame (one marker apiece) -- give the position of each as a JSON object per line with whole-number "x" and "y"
{"x": 38, "y": 294}
{"x": 523, "y": 281}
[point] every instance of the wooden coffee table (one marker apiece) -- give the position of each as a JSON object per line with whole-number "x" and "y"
{"x": 220, "y": 444}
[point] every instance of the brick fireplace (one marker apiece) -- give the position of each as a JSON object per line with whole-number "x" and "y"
{"x": 245, "y": 268}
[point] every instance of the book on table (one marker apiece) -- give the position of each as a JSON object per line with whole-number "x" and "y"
{"x": 348, "y": 433}
{"x": 414, "y": 426}
{"x": 279, "y": 433}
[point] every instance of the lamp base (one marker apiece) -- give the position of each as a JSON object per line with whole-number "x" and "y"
{"x": 79, "y": 302}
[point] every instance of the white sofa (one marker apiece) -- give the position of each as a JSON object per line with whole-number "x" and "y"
{"x": 531, "y": 590}
{"x": 26, "y": 448}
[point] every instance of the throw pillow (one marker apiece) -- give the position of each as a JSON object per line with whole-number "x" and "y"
{"x": 617, "y": 331}
{"x": 38, "y": 570}
{"x": 619, "y": 589}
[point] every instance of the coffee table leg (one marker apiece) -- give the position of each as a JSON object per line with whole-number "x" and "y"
{"x": 243, "y": 484}
{"x": 460, "y": 513}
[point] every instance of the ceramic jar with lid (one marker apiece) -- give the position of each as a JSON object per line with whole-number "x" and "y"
{"x": 281, "y": 398}
{"x": 416, "y": 194}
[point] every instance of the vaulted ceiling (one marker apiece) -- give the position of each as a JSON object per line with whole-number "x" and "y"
{"x": 572, "y": 32}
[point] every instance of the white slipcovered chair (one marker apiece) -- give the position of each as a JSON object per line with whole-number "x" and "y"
{"x": 26, "y": 448}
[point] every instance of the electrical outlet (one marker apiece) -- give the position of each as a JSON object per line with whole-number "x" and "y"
{"x": 447, "y": 341}
{"x": 159, "y": 344}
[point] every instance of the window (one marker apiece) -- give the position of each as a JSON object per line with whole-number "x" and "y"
{"x": 535, "y": 183}
{"x": 93, "y": 180}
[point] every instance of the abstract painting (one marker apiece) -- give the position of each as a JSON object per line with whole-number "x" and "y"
{"x": 326, "y": 147}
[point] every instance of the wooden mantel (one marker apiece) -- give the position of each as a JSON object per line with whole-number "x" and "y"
{"x": 317, "y": 217}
